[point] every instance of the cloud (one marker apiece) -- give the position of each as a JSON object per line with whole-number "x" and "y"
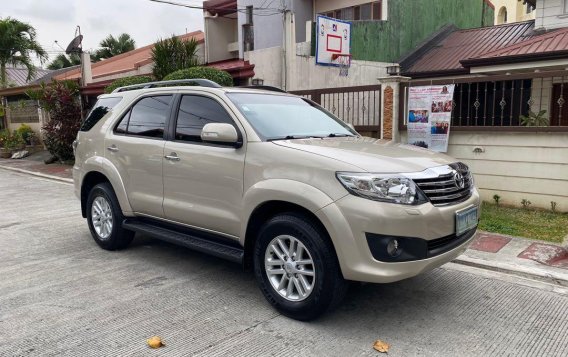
{"x": 144, "y": 20}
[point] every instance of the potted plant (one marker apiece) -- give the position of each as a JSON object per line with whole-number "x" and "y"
{"x": 11, "y": 142}
{"x": 4, "y": 152}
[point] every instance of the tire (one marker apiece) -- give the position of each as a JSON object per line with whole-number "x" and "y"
{"x": 108, "y": 236}
{"x": 327, "y": 285}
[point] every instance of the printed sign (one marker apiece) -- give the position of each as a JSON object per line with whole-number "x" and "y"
{"x": 429, "y": 116}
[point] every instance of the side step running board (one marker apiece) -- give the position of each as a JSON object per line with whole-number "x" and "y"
{"x": 191, "y": 241}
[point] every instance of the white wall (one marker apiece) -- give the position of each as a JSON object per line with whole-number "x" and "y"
{"x": 305, "y": 74}
{"x": 551, "y": 14}
{"x": 516, "y": 11}
{"x": 220, "y": 32}
{"x": 516, "y": 166}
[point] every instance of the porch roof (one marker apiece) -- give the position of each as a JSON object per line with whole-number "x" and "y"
{"x": 443, "y": 53}
{"x": 237, "y": 68}
{"x": 549, "y": 45}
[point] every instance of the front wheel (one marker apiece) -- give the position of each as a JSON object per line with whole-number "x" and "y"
{"x": 296, "y": 267}
{"x": 105, "y": 219}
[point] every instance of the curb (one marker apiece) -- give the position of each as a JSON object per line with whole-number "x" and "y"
{"x": 556, "y": 278}
{"x": 38, "y": 174}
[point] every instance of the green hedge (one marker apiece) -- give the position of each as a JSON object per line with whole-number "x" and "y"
{"x": 127, "y": 81}
{"x": 221, "y": 77}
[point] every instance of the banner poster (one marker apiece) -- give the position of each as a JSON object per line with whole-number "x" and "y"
{"x": 429, "y": 116}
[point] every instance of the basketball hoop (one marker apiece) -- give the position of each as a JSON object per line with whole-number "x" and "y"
{"x": 343, "y": 61}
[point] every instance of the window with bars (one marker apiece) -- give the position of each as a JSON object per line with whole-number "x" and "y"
{"x": 502, "y": 103}
{"x": 491, "y": 103}
{"x": 368, "y": 11}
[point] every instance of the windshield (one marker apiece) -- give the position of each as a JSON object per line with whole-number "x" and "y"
{"x": 276, "y": 117}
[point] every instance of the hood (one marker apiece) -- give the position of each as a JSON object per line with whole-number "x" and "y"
{"x": 371, "y": 155}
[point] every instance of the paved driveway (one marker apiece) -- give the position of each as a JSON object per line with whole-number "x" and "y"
{"x": 62, "y": 295}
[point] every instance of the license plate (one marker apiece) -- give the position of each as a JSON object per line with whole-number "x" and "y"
{"x": 466, "y": 219}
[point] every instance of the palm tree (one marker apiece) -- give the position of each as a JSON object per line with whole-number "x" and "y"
{"x": 63, "y": 61}
{"x": 112, "y": 46}
{"x": 173, "y": 54}
{"x": 18, "y": 45}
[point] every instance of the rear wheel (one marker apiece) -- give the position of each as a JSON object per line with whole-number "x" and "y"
{"x": 296, "y": 267}
{"x": 105, "y": 218}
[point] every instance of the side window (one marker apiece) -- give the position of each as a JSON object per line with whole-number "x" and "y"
{"x": 146, "y": 118}
{"x": 101, "y": 108}
{"x": 196, "y": 111}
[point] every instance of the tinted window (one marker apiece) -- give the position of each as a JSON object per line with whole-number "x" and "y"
{"x": 101, "y": 108}
{"x": 147, "y": 117}
{"x": 194, "y": 113}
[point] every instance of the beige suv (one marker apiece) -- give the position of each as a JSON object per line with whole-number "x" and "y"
{"x": 271, "y": 181}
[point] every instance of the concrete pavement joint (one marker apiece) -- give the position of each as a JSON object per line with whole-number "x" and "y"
{"x": 530, "y": 273}
{"x": 38, "y": 174}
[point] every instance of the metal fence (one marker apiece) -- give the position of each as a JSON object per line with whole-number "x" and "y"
{"x": 504, "y": 101}
{"x": 359, "y": 105}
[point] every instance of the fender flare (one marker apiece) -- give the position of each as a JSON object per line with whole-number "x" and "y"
{"x": 291, "y": 191}
{"x": 105, "y": 167}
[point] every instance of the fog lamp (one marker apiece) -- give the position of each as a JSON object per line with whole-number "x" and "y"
{"x": 393, "y": 248}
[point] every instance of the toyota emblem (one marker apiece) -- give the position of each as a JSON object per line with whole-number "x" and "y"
{"x": 459, "y": 180}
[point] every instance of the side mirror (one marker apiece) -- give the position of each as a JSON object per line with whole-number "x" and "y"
{"x": 221, "y": 133}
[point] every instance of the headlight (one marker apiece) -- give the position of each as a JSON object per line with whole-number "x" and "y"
{"x": 382, "y": 187}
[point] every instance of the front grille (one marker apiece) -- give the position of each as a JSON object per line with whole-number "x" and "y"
{"x": 443, "y": 189}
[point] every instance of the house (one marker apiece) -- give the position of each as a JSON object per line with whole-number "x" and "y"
{"x": 502, "y": 74}
{"x": 278, "y": 38}
{"x": 18, "y": 107}
{"x": 94, "y": 78}
{"x": 137, "y": 62}
{"x": 507, "y": 11}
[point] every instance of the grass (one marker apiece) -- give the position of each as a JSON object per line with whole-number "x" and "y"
{"x": 529, "y": 223}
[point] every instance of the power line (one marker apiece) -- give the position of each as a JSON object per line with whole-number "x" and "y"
{"x": 265, "y": 11}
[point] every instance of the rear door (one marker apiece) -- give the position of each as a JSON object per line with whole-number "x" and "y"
{"x": 203, "y": 182}
{"x": 135, "y": 146}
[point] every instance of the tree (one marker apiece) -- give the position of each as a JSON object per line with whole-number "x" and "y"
{"x": 63, "y": 61}
{"x": 173, "y": 54}
{"x": 112, "y": 46}
{"x": 18, "y": 45}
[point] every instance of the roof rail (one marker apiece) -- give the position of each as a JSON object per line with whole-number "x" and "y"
{"x": 197, "y": 81}
{"x": 270, "y": 88}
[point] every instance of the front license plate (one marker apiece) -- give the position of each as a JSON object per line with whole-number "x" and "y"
{"x": 466, "y": 219}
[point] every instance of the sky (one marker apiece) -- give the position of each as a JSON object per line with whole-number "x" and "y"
{"x": 143, "y": 20}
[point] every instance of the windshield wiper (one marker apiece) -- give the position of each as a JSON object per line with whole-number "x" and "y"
{"x": 338, "y": 135}
{"x": 290, "y": 137}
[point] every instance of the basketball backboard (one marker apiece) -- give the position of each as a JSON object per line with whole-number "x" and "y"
{"x": 333, "y": 38}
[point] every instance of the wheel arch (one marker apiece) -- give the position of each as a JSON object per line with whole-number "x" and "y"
{"x": 268, "y": 209}
{"x": 103, "y": 171}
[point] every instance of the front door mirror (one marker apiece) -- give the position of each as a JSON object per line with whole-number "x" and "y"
{"x": 221, "y": 133}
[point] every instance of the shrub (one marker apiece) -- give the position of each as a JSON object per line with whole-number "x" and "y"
{"x": 221, "y": 77}
{"x": 496, "y": 198}
{"x": 127, "y": 81}
{"x": 525, "y": 203}
{"x": 26, "y": 132}
{"x": 61, "y": 100}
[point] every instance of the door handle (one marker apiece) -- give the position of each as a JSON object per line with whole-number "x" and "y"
{"x": 172, "y": 157}
{"x": 112, "y": 148}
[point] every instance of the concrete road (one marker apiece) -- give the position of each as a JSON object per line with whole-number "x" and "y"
{"x": 60, "y": 295}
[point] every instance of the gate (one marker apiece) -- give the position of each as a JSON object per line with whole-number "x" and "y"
{"x": 359, "y": 106}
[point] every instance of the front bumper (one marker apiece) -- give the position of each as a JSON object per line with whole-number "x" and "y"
{"x": 352, "y": 222}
